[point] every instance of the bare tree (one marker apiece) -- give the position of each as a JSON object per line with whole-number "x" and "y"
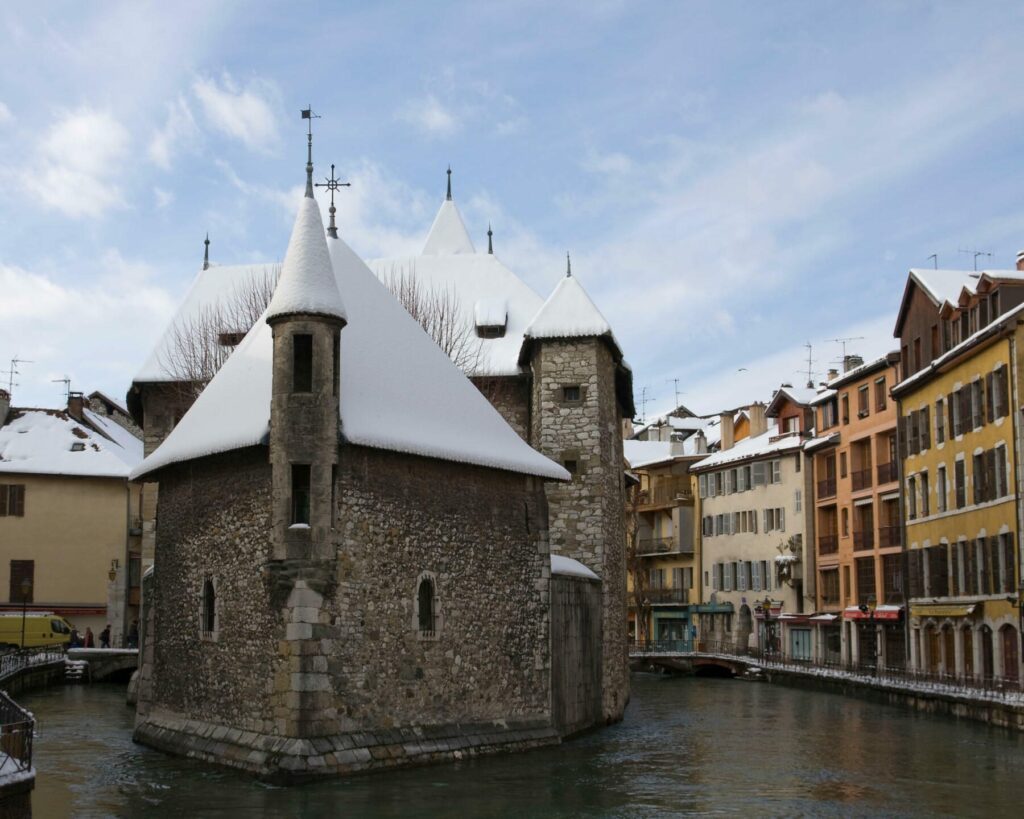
{"x": 641, "y": 601}
{"x": 439, "y": 312}
{"x": 200, "y": 343}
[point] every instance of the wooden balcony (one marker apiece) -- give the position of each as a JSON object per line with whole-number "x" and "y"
{"x": 668, "y": 492}
{"x": 653, "y": 547}
{"x": 663, "y": 597}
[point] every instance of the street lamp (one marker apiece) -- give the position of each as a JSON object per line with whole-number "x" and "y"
{"x": 869, "y": 609}
{"x": 26, "y": 590}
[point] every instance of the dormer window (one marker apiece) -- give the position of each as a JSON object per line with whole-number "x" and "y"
{"x": 490, "y": 317}
{"x": 78, "y": 446}
{"x": 230, "y": 339}
{"x": 302, "y": 362}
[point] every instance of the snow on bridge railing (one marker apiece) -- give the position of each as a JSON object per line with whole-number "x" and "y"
{"x": 17, "y": 727}
{"x": 15, "y": 661}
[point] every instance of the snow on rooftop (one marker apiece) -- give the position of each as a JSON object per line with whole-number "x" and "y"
{"x": 944, "y": 285}
{"x": 573, "y": 568}
{"x": 753, "y": 448}
{"x": 129, "y": 448}
{"x": 50, "y": 442}
{"x": 210, "y": 291}
{"x": 448, "y": 235}
{"x": 568, "y": 313}
{"x": 307, "y": 283}
{"x": 490, "y": 312}
{"x": 473, "y": 278}
{"x": 800, "y": 395}
{"x": 399, "y": 391}
{"x": 643, "y": 453}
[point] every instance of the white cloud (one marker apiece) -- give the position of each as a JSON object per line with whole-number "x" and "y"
{"x": 163, "y": 197}
{"x": 430, "y": 116}
{"x": 5, "y": 114}
{"x": 79, "y": 162}
{"x": 179, "y": 129}
{"x": 248, "y": 115}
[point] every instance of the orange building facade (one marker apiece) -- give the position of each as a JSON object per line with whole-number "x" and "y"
{"x": 858, "y": 550}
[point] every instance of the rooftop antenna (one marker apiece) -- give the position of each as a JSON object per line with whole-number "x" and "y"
{"x": 490, "y": 244}
{"x": 644, "y": 401}
{"x": 975, "y": 253}
{"x": 935, "y": 258}
{"x": 449, "y": 197}
{"x": 675, "y": 383}
{"x": 332, "y": 184}
{"x": 307, "y": 113}
{"x": 11, "y": 383}
{"x": 206, "y": 252}
{"x": 810, "y": 365}
{"x": 844, "y": 342}
{"x": 67, "y": 386}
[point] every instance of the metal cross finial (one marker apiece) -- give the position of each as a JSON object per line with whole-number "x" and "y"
{"x": 490, "y": 244}
{"x": 307, "y": 113}
{"x": 568, "y": 266}
{"x": 332, "y": 184}
{"x": 206, "y": 252}
{"x": 449, "y": 183}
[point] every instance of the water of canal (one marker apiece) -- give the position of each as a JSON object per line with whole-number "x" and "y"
{"x": 686, "y": 746}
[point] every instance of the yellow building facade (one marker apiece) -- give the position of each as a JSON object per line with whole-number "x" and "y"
{"x": 958, "y": 442}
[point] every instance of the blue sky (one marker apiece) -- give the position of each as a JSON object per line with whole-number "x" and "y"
{"x": 732, "y": 179}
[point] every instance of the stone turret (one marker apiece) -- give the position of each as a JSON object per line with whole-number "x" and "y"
{"x": 307, "y": 316}
{"x": 582, "y": 389}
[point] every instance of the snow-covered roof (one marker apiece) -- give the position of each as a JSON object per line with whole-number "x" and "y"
{"x": 398, "y": 391}
{"x": 860, "y": 370}
{"x": 944, "y": 285}
{"x": 798, "y": 395}
{"x": 490, "y": 312}
{"x": 573, "y": 568}
{"x": 210, "y": 290}
{"x": 568, "y": 313}
{"x": 820, "y": 441}
{"x": 307, "y": 282}
{"x": 448, "y": 235}
{"x": 644, "y": 453}
{"x": 50, "y": 442}
{"x": 750, "y": 448}
{"x": 129, "y": 448}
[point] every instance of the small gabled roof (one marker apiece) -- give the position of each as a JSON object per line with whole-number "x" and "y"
{"x": 448, "y": 235}
{"x": 307, "y": 285}
{"x": 568, "y": 313}
{"x": 940, "y": 286}
{"x": 802, "y": 396}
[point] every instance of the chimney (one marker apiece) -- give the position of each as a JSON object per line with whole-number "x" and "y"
{"x": 5, "y": 405}
{"x": 75, "y": 405}
{"x": 832, "y": 375}
{"x": 1020, "y": 260}
{"x": 700, "y": 443}
{"x": 727, "y": 433}
{"x": 758, "y": 422}
{"x": 851, "y": 361}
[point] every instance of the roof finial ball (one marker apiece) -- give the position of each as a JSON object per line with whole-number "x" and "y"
{"x": 568, "y": 266}
{"x": 206, "y": 252}
{"x": 490, "y": 244}
{"x": 449, "y": 197}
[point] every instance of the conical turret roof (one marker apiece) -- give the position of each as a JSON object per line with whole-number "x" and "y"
{"x": 568, "y": 313}
{"x": 448, "y": 235}
{"x": 307, "y": 284}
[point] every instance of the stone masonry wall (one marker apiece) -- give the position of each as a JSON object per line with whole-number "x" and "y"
{"x": 509, "y": 395}
{"x": 587, "y": 518}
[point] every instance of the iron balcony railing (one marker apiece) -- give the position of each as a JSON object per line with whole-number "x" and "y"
{"x": 888, "y": 536}
{"x": 672, "y": 596}
{"x": 20, "y": 658}
{"x": 828, "y": 544}
{"x": 17, "y": 727}
{"x": 648, "y": 547}
{"x": 863, "y": 540}
{"x": 667, "y": 491}
{"x": 886, "y": 472}
{"x": 861, "y": 479}
{"x": 827, "y": 488}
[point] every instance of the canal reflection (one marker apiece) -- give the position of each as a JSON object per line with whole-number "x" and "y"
{"x": 687, "y": 746}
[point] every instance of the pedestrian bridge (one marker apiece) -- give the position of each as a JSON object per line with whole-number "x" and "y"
{"x": 106, "y": 663}
{"x": 689, "y": 656}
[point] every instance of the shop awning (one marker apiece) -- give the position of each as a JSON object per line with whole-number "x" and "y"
{"x": 942, "y": 610}
{"x": 881, "y": 613}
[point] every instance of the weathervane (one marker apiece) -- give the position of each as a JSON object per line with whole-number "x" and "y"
{"x": 307, "y": 113}
{"x": 332, "y": 184}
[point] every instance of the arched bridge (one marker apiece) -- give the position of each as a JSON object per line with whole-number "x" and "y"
{"x": 106, "y": 663}
{"x": 689, "y": 656}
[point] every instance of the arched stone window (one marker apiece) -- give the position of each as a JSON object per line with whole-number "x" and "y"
{"x": 209, "y": 624}
{"x": 427, "y": 610}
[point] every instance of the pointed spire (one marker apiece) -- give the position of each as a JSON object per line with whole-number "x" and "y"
{"x": 206, "y": 252}
{"x": 490, "y": 243}
{"x": 449, "y": 197}
{"x": 568, "y": 266}
{"x": 307, "y": 113}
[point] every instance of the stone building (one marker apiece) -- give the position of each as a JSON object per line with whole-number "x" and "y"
{"x": 353, "y": 566}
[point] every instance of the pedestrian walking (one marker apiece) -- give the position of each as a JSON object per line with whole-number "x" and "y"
{"x": 105, "y": 637}
{"x": 76, "y": 638}
{"x": 90, "y": 641}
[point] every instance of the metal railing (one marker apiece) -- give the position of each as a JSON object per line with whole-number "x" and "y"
{"x": 931, "y": 680}
{"x": 888, "y": 536}
{"x": 863, "y": 540}
{"x": 655, "y": 545}
{"x": 828, "y": 544}
{"x": 17, "y": 727}
{"x": 827, "y": 488}
{"x": 886, "y": 472}
{"x": 861, "y": 479}
{"x": 19, "y": 659}
{"x": 680, "y": 596}
{"x": 667, "y": 491}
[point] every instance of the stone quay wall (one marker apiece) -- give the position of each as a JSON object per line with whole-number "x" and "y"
{"x": 322, "y": 669}
{"x": 587, "y": 516}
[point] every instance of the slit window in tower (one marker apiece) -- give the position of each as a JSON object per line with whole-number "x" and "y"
{"x": 425, "y": 607}
{"x": 336, "y": 361}
{"x": 300, "y": 494}
{"x": 302, "y": 364}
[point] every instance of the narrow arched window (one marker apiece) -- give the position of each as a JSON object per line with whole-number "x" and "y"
{"x": 425, "y": 607}
{"x": 209, "y": 614}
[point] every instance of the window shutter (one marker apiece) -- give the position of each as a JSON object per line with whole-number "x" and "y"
{"x": 926, "y": 429}
{"x": 755, "y": 576}
{"x": 702, "y": 484}
{"x": 901, "y": 436}
{"x": 716, "y": 577}
{"x": 759, "y": 473}
{"x": 965, "y": 408}
{"x": 949, "y": 411}
{"x": 16, "y": 501}
{"x": 990, "y": 405}
{"x": 991, "y": 488}
{"x": 3, "y": 500}
{"x": 1009, "y": 561}
{"x": 1004, "y": 393}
